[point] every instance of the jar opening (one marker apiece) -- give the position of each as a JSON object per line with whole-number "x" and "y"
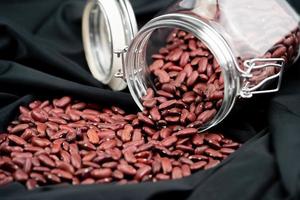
{"x": 152, "y": 37}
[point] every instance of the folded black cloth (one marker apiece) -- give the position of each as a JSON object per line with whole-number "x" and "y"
{"x": 41, "y": 57}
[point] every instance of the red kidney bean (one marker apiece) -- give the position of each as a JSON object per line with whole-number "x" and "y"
{"x": 149, "y": 103}
{"x": 202, "y": 65}
{"x": 108, "y": 144}
{"x": 39, "y": 115}
{"x": 184, "y": 59}
{"x": 142, "y": 172}
{"x": 127, "y": 133}
{"x": 5, "y": 179}
{"x": 227, "y": 150}
{"x": 34, "y": 104}
{"x": 89, "y": 156}
{"x": 40, "y": 142}
{"x": 19, "y": 128}
{"x": 169, "y": 141}
{"x": 162, "y": 75}
{"x": 38, "y": 177}
{"x": 173, "y": 68}
{"x": 186, "y": 171}
{"x": 41, "y": 169}
{"x": 75, "y": 160}
{"x": 53, "y": 126}
{"x": 111, "y": 165}
{"x": 35, "y": 162}
{"x": 181, "y": 77}
{"x": 157, "y": 64}
{"x": 56, "y": 147}
{"x": 18, "y": 140}
{"x": 198, "y": 157}
{"x": 198, "y": 165}
{"x": 106, "y": 134}
{"x": 172, "y": 119}
{"x": 164, "y": 94}
{"x": 213, "y": 153}
{"x": 186, "y": 131}
{"x": 149, "y": 94}
{"x": 201, "y": 149}
{"x": 157, "y": 56}
{"x": 117, "y": 110}
{"x": 188, "y": 97}
{"x": 57, "y": 120}
{"x": 231, "y": 145}
{"x": 162, "y": 177}
{"x": 31, "y": 184}
{"x": 91, "y": 117}
{"x": 213, "y": 136}
{"x": 155, "y": 115}
{"x": 64, "y": 101}
{"x": 192, "y": 79}
{"x": 93, "y": 136}
{"x": 129, "y": 157}
{"x": 207, "y": 115}
{"x": 211, "y": 163}
{"x": 195, "y": 61}
{"x": 21, "y": 154}
{"x": 166, "y": 165}
{"x": 177, "y": 173}
{"x": 20, "y": 175}
{"x": 79, "y": 106}
{"x": 65, "y": 156}
{"x": 192, "y": 44}
{"x": 101, "y": 173}
{"x": 279, "y": 52}
{"x": 117, "y": 174}
{"x": 24, "y": 110}
{"x": 167, "y": 104}
{"x": 41, "y": 129}
{"x": 62, "y": 174}
{"x": 198, "y": 139}
{"x": 46, "y": 160}
{"x": 175, "y": 54}
{"x": 126, "y": 169}
{"x": 52, "y": 178}
{"x": 145, "y": 119}
{"x": 65, "y": 166}
{"x": 27, "y": 165}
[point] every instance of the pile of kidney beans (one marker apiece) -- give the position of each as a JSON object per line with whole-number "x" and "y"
{"x": 65, "y": 140}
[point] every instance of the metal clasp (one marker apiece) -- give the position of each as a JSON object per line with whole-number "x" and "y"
{"x": 121, "y": 53}
{"x": 248, "y": 88}
{"x": 121, "y": 72}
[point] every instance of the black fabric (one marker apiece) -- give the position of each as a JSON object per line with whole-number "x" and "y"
{"x": 41, "y": 56}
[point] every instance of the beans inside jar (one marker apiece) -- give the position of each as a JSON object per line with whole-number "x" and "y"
{"x": 189, "y": 85}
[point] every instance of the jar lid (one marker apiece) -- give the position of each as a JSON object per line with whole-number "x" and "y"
{"x": 108, "y": 26}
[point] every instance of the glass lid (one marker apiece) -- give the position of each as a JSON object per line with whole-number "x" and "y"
{"x": 108, "y": 26}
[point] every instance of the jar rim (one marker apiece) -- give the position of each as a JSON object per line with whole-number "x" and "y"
{"x": 208, "y": 35}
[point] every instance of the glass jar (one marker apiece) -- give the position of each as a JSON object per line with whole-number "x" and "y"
{"x": 252, "y": 41}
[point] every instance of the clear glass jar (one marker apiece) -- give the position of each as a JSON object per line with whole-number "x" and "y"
{"x": 252, "y": 40}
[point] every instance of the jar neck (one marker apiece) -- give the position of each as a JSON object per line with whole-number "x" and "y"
{"x": 136, "y": 65}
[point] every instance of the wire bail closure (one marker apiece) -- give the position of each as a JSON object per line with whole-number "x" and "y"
{"x": 248, "y": 89}
{"x": 121, "y": 54}
{"x": 121, "y": 72}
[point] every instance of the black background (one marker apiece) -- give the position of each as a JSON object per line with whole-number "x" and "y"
{"x": 41, "y": 56}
